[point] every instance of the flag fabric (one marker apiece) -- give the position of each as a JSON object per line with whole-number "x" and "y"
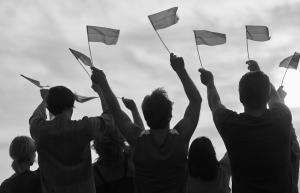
{"x": 209, "y": 38}
{"x": 101, "y": 34}
{"x": 291, "y": 61}
{"x": 82, "y": 99}
{"x": 257, "y": 33}
{"x": 164, "y": 18}
{"x": 80, "y": 56}
{"x": 35, "y": 82}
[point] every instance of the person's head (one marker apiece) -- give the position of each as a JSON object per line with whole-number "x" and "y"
{"x": 157, "y": 109}
{"x": 22, "y": 150}
{"x": 110, "y": 147}
{"x": 202, "y": 160}
{"x": 254, "y": 89}
{"x": 60, "y": 99}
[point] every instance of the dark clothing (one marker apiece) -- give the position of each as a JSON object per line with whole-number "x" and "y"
{"x": 64, "y": 154}
{"x": 160, "y": 165}
{"x": 26, "y": 182}
{"x": 124, "y": 184}
{"x": 259, "y": 149}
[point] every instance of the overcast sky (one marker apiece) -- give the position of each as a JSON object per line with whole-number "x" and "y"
{"x": 35, "y": 37}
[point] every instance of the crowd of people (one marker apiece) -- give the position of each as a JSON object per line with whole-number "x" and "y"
{"x": 262, "y": 149}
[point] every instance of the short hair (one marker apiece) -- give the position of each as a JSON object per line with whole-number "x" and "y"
{"x": 157, "y": 109}
{"x": 202, "y": 160}
{"x": 254, "y": 89}
{"x": 59, "y": 99}
{"x": 22, "y": 150}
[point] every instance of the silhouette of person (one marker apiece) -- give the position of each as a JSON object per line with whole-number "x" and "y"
{"x": 206, "y": 173}
{"x": 160, "y": 154}
{"x": 113, "y": 170}
{"x": 22, "y": 150}
{"x": 63, "y": 145}
{"x": 257, "y": 140}
{"x": 295, "y": 149}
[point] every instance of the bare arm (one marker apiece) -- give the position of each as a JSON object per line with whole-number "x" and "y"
{"x": 187, "y": 125}
{"x": 127, "y": 128}
{"x": 213, "y": 97}
{"x": 130, "y": 104}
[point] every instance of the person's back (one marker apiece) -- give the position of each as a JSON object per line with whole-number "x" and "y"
{"x": 160, "y": 161}
{"x": 22, "y": 150}
{"x": 258, "y": 140}
{"x": 206, "y": 173}
{"x": 63, "y": 145}
{"x": 164, "y": 169}
{"x": 258, "y": 149}
{"x": 25, "y": 182}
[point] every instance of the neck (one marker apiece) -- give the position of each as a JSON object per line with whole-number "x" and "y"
{"x": 255, "y": 112}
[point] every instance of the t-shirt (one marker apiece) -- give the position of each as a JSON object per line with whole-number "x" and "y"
{"x": 63, "y": 146}
{"x": 258, "y": 148}
{"x": 26, "y": 182}
{"x": 160, "y": 165}
{"x": 219, "y": 185}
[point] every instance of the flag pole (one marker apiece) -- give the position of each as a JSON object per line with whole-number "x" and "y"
{"x": 284, "y": 74}
{"x": 247, "y": 48}
{"x": 199, "y": 55}
{"x": 89, "y": 45}
{"x": 159, "y": 36}
{"x": 83, "y": 68}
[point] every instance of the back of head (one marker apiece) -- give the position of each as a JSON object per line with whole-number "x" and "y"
{"x": 22, "y": 150}
{"x": 254, "y": 89}
{"x": 157, "y": 109}
{"x": 59, "y": 99}
{"x": 202, "y": 160}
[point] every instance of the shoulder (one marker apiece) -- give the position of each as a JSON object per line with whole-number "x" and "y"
{"x": 280, "y": 109}
{"x": 223, "y": 114}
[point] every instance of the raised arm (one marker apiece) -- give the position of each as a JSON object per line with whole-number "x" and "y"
{"x": 213, "y": 97}
{"x": 38, "y": 116}
{"x": 187, "y": 125}
{"x": 127, "y": 128}
{"x": 130, "y": 104}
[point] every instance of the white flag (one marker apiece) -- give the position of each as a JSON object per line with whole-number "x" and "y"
{"x": 209, "y": 38}
{"x": 80, "y": 56}
{"x": 257, "y": 33}
{"x": 291, "y": 61}
{"x": 101, "y": 34}
{"x": 35, "y": 82}
{"x": 164, "y": 18}
{"x": 82, "y": 99}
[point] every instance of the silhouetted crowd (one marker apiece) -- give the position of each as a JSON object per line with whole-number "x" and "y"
{"x": 262, "y": 149}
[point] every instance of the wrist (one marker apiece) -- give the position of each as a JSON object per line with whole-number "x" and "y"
{"x": 210, "y": 84}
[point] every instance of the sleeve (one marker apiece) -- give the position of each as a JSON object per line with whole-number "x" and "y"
{"x": 221, "y": 115}
{"x": 281, "y": 111}
{"x": 37, "y": 119}
{"x": 294, "y": 144}
{"x": 225, "y": 163}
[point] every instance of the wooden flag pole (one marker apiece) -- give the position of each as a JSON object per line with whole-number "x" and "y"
{"x": 91, "y": 54}
{"x": 199, "y": 55}
{"x": 284, "y": 74}
{"x": 247, "y": 47}
{"x": 89, "y": 45}
{"x": 159, "y": 37}
{"x": 83, "y": 68}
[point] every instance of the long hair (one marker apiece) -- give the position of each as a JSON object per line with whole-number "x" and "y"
{"x": 202, "y": 161}
{"x": 22, "y": 150}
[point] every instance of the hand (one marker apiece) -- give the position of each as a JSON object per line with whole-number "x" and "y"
{"x": 206, "y": 76}
{"x": 252, "y": 65}
{"x": 98, "y": 76}
{"x": 177, "y": 63}
{"x": 44, "y": 93}
{"x": 281, "y": 92}
{"x": 129, "y": 103}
